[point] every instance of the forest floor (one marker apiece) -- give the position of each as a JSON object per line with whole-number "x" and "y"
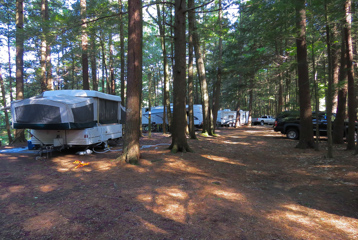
{"x": 246, "y": 183}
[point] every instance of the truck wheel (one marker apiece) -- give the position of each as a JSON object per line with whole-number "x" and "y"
{"x": 262, "y": 123}
{"x": 292, "y": 133}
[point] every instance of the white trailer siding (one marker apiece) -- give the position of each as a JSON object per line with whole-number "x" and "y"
{"x": 83, "y": 137}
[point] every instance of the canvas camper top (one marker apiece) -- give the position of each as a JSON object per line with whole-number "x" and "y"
{"x": 67, "y": 109}
{"x": 82, "y": 93}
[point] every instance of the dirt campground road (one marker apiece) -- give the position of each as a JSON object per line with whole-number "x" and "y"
{"x": 247, "y": 183}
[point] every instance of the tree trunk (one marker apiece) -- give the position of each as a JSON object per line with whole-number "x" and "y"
{"x": 84, "y": 46}
{"x": 179, "y": 142}
{"x": 238, "y": 117}
{"x": 121, "y": 37}
{"x": 9, "y": 54}
{"x": 43, "y": 49}
{"x": 7, "y": 124}
{"x": 93, "y": 62}
{"x": 350, "y": 73}
{"x": 336, "y": 51}
{"x": 131, "y": 151}
{"x": 203, "y": 83}
{"x": 111, "y": 67}
{"x": 217, "y": 86}
{"x": 166, "y": 101}
{"x": 306, "y": 133}
{"x": 105, "y": 81}
{"x": 191, "y": 15}
{"x": 19, "y": 133}
{"x": 338, "y": 130}
{"x": 329, "y": 96}
{"x": 49, "y": 77}
{"x": 150, "y": 105}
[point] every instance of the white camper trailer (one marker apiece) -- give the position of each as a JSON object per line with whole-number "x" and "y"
{"x": 156, "y": 115}
{"x": 198, "y": 115}
{"x": 69, "y": 118}
{"x": 228, "y": 118}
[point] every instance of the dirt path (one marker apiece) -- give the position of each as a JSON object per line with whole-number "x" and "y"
{"x": 247, "y": 183}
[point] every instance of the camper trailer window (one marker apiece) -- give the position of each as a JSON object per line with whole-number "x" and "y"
{"x": 38, "y": 114}
{"x": 83, "y": 114}
{"x": 108, "y": 111}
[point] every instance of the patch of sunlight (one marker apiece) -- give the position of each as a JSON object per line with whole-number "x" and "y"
{"x": 316, "y": 219}
{"x": 44, "y": 221}
{"x": 250, "y": 131}
{"x": 63, "y": 169}
{"x": 228, "y": 195}
{"x": 16, "y": 189}
{"x": 35, "y": 177}
{"x": 330, "y": 166}
{"x": 47, "y": 188}
{"x": 222, "y": 159}
{"x": 103, "y": 166}
{"x": 3, "y": 196}
{"x": 171, "y": 203}
{"x": 152, "y": 227}
{"x": 147, "y": 198}
{"x": 66, "y": 165}
{"x": 237, "y": 143}
{"x": 270, "y": 135}
{"x": 239, "y": 137}
{"x": 178, "y": 194}
{"x": 176, "y": 166}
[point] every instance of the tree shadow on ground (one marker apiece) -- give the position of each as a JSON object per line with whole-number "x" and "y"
{"x": 235, "y": 186}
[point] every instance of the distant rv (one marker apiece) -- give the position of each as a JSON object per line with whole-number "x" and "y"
{"x": 156, "y": 115}
{"x": 69, "y": 118}
{"x": 227, "y": 118}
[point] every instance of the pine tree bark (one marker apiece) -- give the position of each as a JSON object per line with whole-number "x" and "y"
{"x": 93, "y": 61}
{"x": 19, "y": 133}
{"x": 131, "y": 151}
{"x": 166, "y": 101}
{"x": 217, "y": 86}
{"x": 111, "y": 67}
{"x": 179, "y": 142}
{"x": 121, "y": 39}
{"x": 350, "y": 73}
{"x": 306, "y": 133}
{"x": 329, "y": 100}
{"x": 7, "y": 123}
{"x": 203, "y": 82}
{"x": 191, "y": 15}
{"x": 84, "y": 46}
{"x": 43, "y": 49}
{"x": 338, "y": 130}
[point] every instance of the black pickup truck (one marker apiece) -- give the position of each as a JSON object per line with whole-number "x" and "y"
{"x": 288, "y": 123}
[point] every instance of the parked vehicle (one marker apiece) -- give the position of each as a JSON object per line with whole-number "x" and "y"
{"x": 156, "y": 114}
{"x": 266, "y": 119}
{"x": 227, "y": 117}
{"x": 69, "y": 118}
{"x": 288, "y": 123}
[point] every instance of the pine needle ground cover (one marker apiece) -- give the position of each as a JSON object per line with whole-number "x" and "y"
{"x": 246, "y": 183}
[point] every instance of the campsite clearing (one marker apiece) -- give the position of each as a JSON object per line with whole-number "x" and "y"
{"x": 246, "y": 183}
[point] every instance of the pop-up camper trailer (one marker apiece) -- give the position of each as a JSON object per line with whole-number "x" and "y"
{"x": 69, "y": 118}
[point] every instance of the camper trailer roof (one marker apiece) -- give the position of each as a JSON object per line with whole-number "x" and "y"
{"x": 82, "y": 93}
